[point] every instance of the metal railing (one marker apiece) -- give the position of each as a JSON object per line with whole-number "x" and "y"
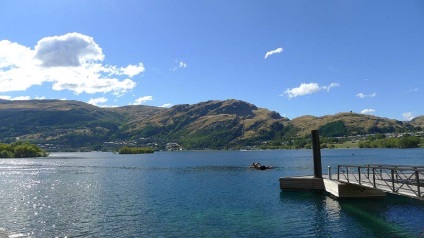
{"x": 399, "y": 179}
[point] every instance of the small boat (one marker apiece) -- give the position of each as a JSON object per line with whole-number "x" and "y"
{"x": 259, "y": 166}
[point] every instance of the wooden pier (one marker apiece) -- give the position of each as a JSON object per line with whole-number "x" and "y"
{"x": 364, "y": 181}
{"x": 405, "y": 180}
{"x": 371, "y": 180}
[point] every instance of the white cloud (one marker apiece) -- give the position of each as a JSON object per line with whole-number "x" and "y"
{"x": 13, "y": 55}
{"x": 167, "y": 105}
{"x": 132, "y": 70}
{"x": 70, "y": 50}
{"x": 69, "y": 62}
{"x": 308, "y": 88}
{"x": 97, "y": 101}
{"x": 368, "y": 111}
{"x": 408, "y": 116}
{"x": 362, "y": 95}
{"x": 15, "y": 98}
{"x": 276, "y": 51}
{"x": 303, "y": 89}
{"x": 142, "y": 100}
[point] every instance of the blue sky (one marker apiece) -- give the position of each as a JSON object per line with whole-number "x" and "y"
{"x": 294, "y": 57}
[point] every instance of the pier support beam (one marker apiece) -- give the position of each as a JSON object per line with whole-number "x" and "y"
{"x": 317, "y": 154}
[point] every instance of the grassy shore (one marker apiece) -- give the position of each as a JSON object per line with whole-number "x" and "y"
{"x": 347, "y": 144}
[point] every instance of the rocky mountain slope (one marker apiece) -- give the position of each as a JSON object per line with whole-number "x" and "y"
{"x": 418, "y": 121}
{"x": 211, "y": 124}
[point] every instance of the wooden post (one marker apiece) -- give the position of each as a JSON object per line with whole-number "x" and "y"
{"x": 317, "y": 154}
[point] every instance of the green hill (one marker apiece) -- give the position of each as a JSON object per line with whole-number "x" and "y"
{"x": 228, "y": 124}
{"x": 67, "y": 124}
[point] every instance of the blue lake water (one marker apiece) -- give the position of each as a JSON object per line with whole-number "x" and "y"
{"x": 195, "y": 194}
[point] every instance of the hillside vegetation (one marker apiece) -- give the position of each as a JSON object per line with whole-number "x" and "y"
{"x": 229, "y": 124}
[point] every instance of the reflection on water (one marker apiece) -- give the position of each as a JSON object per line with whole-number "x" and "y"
{"x": 326, "y": 216}
{"x": 213, "y": 194}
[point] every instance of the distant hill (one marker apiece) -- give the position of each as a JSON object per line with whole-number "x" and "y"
{"x": 69, "y": 125}
{"x": 342, "y": 124}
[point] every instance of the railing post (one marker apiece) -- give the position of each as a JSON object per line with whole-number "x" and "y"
{"x": 393, "y": 179}
{"x": 359, "y": 175}
{"x": 338, "y": 172}
{"x": 373, "y": 177}
{"x": 329, "y": 172}
{"x": 397, "y": 176}
{"x": 417, "y": 177}
{"x": 347, "y": 173}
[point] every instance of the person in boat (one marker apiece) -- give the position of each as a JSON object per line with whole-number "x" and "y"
{"x": 259, "y": 166}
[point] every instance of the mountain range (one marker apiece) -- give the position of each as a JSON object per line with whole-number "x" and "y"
{"x": 215, "y": 124}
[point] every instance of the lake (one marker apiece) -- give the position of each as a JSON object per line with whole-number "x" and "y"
{"x": 195, "y": 194}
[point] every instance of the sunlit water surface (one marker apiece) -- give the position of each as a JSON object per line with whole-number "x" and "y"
{"x": 195, "y": 194}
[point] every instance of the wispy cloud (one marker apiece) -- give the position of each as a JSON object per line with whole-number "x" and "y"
{"x": 368, "y": 111}
{"x": 408, "y": 116}
{"x": 180, "y": 65}
{"x": 332, "y": 85}
{"x": 15, "y": 98}
{"x": 276, "y": 51}
{"x": 308, "y": 88}
{"x": 69, "y": 62}
{"x": 97, "y": 101}
{"x": 142, "y": 100}
{"x": 167, "y": 105}
{"x": 362, "y": 95}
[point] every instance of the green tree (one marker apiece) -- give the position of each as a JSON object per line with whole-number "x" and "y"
{"x": 21, "y": 149}
{"x": 135, "y": 150}
{"x": 333, "y": 129}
